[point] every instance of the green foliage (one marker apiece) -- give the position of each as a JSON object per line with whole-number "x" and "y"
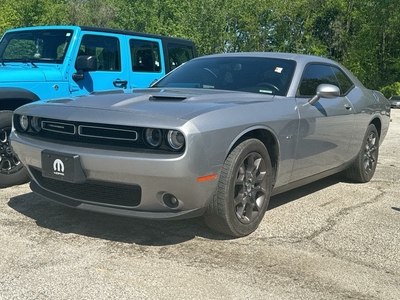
{"x": 19, "y": 48}
{"x": 392, "y": 89}
{"x": 363, "y": 35}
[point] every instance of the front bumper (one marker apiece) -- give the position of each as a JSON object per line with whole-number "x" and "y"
{"x": 151, "y": 174}
{"x": 168, "y": 215}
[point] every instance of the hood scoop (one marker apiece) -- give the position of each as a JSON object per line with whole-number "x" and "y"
{"x": 167, "y": 98}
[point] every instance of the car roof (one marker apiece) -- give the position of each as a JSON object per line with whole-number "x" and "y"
{"x": 280, "y": 55}
{"x": 301, "y": 61}
{"x": 102, "y": 29}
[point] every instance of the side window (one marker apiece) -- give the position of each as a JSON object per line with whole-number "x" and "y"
{"x": 344, "y": 82}
{"x": 178, "y": 54}
{"x": 145, "y": 56}
{"x": 106, "y": 49}
{"x": 315, "y": 75}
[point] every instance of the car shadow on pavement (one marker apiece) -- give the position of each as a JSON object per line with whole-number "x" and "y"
{"x": 50, "y": 215}
{"x": 57, "y": 217}
{"x": 305, "y": 190}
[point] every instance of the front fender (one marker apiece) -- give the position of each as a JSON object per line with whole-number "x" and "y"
{"x": 12, "y": 98}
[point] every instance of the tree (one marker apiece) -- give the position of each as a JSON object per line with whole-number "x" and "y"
{"x": 363, "y": 35}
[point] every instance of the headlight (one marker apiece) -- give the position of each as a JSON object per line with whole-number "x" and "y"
{"x": 153, "y": 137}
{"x": 36, "y": 124}
{"x": 23, "y": 122}
{"x": 175, "y": 139}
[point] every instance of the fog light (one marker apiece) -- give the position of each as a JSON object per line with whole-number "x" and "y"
{"x": 170, "y": 200}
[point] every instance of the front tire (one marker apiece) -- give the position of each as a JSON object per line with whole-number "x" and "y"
{"x": 243, "y": 192}
{"x": 364, "y": 166}
{"x": 12, "y": 172}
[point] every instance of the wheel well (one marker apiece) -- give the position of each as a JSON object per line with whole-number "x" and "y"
{"x": 11, "y": 97}
{"x": 378, "y": 125}
{"x": 12, "y": 104}
{"x": 269, "y": 142}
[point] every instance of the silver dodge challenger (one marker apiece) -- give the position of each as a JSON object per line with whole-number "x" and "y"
{"x": 215, "y": 137}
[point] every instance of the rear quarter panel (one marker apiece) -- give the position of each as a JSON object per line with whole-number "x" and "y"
{"x": 367, "y": 108}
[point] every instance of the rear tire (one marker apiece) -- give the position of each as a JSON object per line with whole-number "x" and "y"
{"x": 363, "y": 168}
{"x": 12, "y": 172}
{"x": 244, "y": 190}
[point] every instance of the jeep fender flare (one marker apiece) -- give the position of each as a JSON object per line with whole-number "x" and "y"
{"x": 12, "y": 98}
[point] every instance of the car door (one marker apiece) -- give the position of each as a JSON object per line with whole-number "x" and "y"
{"x": 111, "y": 73}
{"x": 326, "y": 128}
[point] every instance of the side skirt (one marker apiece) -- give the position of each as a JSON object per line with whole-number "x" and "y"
{"x": 307, "y": 180}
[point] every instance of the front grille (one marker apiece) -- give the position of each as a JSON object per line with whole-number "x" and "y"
{"x": 108, "y": 133}
{"x": 58, "y": 127}
{"x": 93, "y": 135}
{"x": 94, "y": 191}
{"x": 106, "y": 136}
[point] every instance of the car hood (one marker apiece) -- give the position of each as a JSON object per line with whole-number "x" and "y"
{"x": 27, "y": 73}
{"x": 153, "y": 103}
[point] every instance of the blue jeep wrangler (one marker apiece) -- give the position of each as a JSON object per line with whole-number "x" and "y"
{"x": 39, "y": 63}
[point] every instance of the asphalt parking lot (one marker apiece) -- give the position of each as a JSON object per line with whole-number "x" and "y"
{"x": 328, "y": 240}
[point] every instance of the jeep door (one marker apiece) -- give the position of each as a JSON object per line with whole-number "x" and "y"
{"x": 111, "y": 72}
{"x": 153, "y": 58}
{"x": 146, "y": 61}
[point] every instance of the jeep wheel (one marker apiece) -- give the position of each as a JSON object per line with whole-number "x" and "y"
{"x": 12, "y": 172}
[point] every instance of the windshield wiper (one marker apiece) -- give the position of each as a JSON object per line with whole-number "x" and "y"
{"x": 24, "y": 60}
{"x": 31, "y": 62}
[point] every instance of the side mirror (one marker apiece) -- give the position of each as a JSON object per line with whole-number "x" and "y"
{"x": 84, "y": 63}
{"x": 325, "y": 91}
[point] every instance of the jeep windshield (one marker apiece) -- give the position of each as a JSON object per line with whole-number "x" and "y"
{"x": 32, "y": 46}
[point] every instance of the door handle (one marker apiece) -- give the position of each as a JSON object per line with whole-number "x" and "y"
{"x": 120, "y": 83}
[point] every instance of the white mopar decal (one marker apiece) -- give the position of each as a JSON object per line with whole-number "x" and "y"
{"x": 58, "y": 167}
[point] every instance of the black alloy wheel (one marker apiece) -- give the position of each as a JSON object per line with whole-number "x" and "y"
{"x": 243, "y": 192}
{"x": 12, "y": 172}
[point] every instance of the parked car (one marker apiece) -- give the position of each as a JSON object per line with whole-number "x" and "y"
{"x": 394, "y": 101}
{"x": 215, "y": 137}
{"x": 45, "y": 62}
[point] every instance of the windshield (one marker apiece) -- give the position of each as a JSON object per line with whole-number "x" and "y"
{"x": 235, "y": 73}
{"x": 48, "y": 45}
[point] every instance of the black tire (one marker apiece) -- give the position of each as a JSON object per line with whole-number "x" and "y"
{"x": 12, "y": 172}
{"x": 243, "y": 192}
{"x": 363, "y": 168}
